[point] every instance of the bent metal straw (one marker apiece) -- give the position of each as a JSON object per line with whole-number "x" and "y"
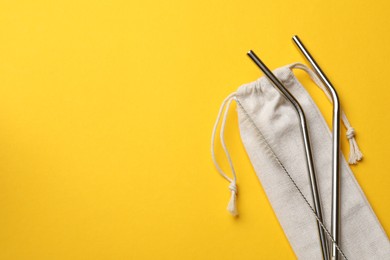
{"x": 309, "y": 157}
{"x": 336, "y": 145}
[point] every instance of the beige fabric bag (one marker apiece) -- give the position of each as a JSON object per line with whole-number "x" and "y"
{"x": 269, "y": 129}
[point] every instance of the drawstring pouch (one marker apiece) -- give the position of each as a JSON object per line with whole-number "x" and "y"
{"x": 270, "y": 131}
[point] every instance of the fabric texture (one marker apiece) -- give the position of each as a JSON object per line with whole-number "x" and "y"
{"x": 266, "y": 118}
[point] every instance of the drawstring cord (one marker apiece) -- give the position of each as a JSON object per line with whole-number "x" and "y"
{"x": 224, "y": 109}
{"x": 355, "y": 155}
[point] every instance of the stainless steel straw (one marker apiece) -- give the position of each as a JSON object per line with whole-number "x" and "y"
{"x": 336, "y": 146}
{"x": 313, "y": 181}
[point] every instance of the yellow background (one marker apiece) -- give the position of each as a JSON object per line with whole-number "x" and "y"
{"x": 107, "y": 107}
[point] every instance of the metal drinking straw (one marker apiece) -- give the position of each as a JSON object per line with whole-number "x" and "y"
{"x": 336, "y": 146}
{"x": 309, "y": 158}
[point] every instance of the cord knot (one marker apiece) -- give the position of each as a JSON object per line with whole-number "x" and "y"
{"x": 232, "y": 206}
{"x": 355, "y": 154}
{"x": 233, "y": 187}
{"x": 350, "y": 133}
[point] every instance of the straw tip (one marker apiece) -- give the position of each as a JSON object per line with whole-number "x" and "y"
{"x": 295, "y": 37}
{"x": 251, "y": 54}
